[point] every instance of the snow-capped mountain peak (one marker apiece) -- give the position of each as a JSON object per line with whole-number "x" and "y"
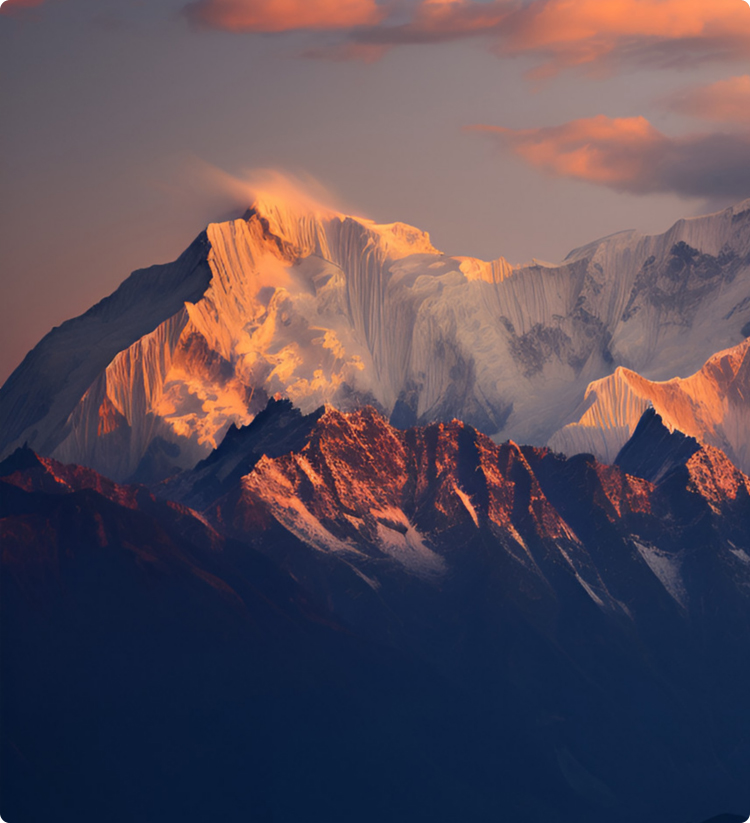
{"x": 298, "y": 300}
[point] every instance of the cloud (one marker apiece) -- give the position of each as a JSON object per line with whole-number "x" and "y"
{"x": 561, "y": 34}
{"x": 346, "y": 52}
{"x": 201, "y": 181}
{"x": 440, "y": 21}
{"x": 629, "y": 155}
{"x": 727, "y": 101}
{"x": 567, "y": 33}
{"x": 9, "y": 6}
{"x": 436, "y": 21}
{"x": 284, "y": 15}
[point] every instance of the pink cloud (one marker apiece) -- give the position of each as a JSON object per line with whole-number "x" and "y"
{"x": 437, "y": 21}
{"x": 348, "y": 51}
{"x": 580, "y": 32}
{"x": 285, "y": 15}
{"x": 628, "y": 154}
{"x": 586, "y": 33}
{"x": 727, "y": 101}
{"x": 460, "y": 18}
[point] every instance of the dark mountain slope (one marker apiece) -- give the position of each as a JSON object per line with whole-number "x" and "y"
{"x": 147, "y": 677}
{"x": 653, "y": 450}
{"x": 411, "y": 626}
{"x": 601, "y": 607}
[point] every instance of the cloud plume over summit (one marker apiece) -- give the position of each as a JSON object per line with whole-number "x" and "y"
{"x": 629, "y": 154}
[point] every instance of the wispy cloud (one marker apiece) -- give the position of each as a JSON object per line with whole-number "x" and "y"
{"x": 284, "y": 15}
{"x": 565, "y": 33}
{"x": 347, "y": 52}
{"x": 438, "y": 21}
{"x": 198, "y": 180}
{"x": 561, "y": 34}
{"x": 727, "y": 101}
{"x": 629, "y": 155}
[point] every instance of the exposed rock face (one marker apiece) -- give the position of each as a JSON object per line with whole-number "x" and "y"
{"x": 485, "y": 559}
{"x": 146, "y": 675}
{"x": 653, "y": 451}
{"x": 324, "y": 308}
{"x": 565, "y": 638}
{"x": 377, "y": 498}
{"x": 280, "y": 428}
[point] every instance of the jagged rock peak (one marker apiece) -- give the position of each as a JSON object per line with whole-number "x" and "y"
{"x": 654, "y": 449}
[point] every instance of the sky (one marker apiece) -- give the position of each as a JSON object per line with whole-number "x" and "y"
{"x": 514, "y": 128}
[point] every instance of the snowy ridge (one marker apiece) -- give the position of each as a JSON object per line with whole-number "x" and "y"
{"x": 713, "y": 406}
{"x": 38, "y": 398}
{"x": 319, "y": 307}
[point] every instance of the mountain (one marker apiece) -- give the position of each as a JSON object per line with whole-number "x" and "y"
{"x": 576, "y": 603}
{"x": 653, "y": 450}
{"x": 326, "y": 582}
{"x": 38, "y": 399}
{"x": 278, "y": 429}
{"x": 728, "y": 818}
{"x": 446, "y": 627}
{"x": 364, "y": 502}
{"x": 712, "y": 405}
{"x": 320, "y": 307}
{"x": 147, "y": 676}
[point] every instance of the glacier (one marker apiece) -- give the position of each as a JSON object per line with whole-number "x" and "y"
{"x": 712, "y": 405}
{"x": 298, "y": 301}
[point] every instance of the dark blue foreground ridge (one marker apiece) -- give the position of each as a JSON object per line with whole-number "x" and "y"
{"x": 332, "y": 620}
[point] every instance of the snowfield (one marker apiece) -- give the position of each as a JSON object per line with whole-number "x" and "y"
{"x": 320, "y": 307}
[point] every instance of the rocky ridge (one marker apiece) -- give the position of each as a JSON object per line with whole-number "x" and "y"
{"x": 556, "y": 604}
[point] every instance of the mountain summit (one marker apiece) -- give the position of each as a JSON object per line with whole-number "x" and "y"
{"x": 320, "y": 307}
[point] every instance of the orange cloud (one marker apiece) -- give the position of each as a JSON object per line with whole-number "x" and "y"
{"x": 569, "y": 33}
{"x": 561, "y": 33}
{"x": 611, "y": 151}
{"x": 455, "y": 18}
{"x": 628, "y": 154}
{"x": 578, "y": 32}
{"x": 285, "y": 15}
{"x": 727, "y": 101}
{"x": 436, "y": 21}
